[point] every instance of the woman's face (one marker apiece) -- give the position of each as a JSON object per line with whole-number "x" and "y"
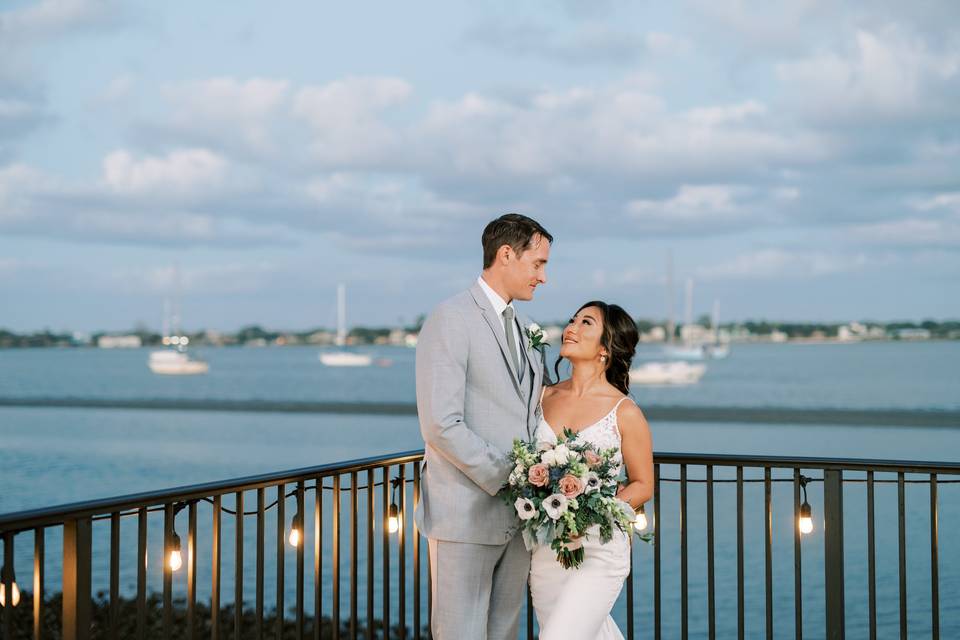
{"x": 581, "y": 337}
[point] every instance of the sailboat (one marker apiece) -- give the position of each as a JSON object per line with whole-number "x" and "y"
{"x": 717, "y": 350}
{"x": 174, "y": 361}
{"x": 675, "y": 371}
{"x": 343, "y": 358}
{"x": 687, "y": 350}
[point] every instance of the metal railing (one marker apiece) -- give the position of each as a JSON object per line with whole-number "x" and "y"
{"x": 353, "y": 522}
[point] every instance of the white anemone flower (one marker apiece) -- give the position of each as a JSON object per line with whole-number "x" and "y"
{"x": 591, "y": 482}
{"x": 555, "y": 505}
{"x": 525, "y": 508}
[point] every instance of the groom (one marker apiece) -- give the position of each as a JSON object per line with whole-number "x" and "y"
{"x": 478, "y": 385}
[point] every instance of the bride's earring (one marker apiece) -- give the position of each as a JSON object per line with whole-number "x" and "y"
{"x": 603, "y": 358}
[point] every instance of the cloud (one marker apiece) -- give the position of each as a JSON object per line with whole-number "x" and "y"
{"x": 118, "y": 89}
{"x": 224, "y": 113}
{"x": 911, "y": 232}
{"x": 777, "y": 264}
{"x": 18, "y": 118}
{"x": 184, "y": 173}
{"x": 590, "y": 43}
{"x": 49, "y": 18}
{"x": 935, "y": 224}
{"x": 227, "y": 278}
{"x": 154, "y": 201}
{"x": 883, "y": 76}
{"x": 344, "y": 121}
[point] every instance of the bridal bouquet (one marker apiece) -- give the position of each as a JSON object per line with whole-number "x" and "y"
{"x": 561, "y": 490}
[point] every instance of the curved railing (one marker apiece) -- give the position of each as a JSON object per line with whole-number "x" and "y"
{"x": 355, "y": 567}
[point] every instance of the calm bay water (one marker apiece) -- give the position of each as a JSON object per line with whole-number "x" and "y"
{"x": 51, "y": 456}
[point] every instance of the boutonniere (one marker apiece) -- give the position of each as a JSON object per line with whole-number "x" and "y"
{"x": 535, "y": 337}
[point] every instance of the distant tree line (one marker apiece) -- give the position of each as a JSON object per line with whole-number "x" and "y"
{"x": 255, "y": 334}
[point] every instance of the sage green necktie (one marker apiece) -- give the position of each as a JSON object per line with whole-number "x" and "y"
{"x": 508, "y": 326}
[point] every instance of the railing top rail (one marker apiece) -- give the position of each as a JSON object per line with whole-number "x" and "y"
{"x": 792, "y": 462}
{"x": 57, "y": 514}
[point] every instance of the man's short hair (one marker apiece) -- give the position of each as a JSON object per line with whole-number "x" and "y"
{"x": 511, "y": 229}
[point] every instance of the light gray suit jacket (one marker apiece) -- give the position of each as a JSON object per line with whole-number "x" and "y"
{"x": 471, "y": 407}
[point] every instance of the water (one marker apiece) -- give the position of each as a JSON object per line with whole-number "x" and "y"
{"x": 50, "y": 456}
{"x": 869, "y": 375}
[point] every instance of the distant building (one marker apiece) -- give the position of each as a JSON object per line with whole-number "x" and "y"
{"x": 321, "y": 337}
{"x": 778, "y": 336}
{"x": 119, "y": 342}
{"x": 81, "y": 338}
{"x": 913, "y": 334}
{"x": 655, "y": 334}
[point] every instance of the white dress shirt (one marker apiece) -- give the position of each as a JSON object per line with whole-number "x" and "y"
{"x": 499, "y": 304}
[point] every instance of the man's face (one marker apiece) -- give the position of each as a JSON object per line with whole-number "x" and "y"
{"x": 528, "y": 270}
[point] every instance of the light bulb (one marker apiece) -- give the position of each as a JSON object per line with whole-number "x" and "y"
{"x": 3, "y": 588}
{"x": 806, "y": 519}
{"x": 296, "y": 530}
{"x": 175, "y": 559}
{"x": 640, "y": 523}
{"x": 393, "y": 519}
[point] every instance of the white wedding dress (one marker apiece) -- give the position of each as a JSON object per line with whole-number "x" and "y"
{"x": 575, "y": 604}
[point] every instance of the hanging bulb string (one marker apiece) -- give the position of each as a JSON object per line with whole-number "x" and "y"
{"x": 329, "y": 488}
{"x": 809, "y": 479}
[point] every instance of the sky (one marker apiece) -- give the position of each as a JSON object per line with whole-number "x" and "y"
{"x": 800, "y": 161}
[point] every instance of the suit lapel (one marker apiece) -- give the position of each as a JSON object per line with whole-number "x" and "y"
{"x": 534, "y": 362}
{"x": 496, "y": 326}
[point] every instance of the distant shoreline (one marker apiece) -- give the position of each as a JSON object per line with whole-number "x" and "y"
{"x": 754, "y": 340}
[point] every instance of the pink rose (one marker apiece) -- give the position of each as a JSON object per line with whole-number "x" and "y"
{"x": 570, "y": 486}
{"x": 539, "y": 475}
{"x": 591, "y": 458}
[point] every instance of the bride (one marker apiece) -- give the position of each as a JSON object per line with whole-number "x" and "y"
{"x": 599, "y": 342}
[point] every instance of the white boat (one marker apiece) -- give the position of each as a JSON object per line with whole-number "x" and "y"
{"x": 678, "y": 372}
{"x": 342, "y": 357}
{"x": 716, "y": 351}
{"x": 174, "y": 362}
{"x": 684, "y": 352}
{"x": 345, "y": 359}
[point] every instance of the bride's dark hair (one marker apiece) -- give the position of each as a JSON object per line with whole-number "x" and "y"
{"x": 620, "y": 338}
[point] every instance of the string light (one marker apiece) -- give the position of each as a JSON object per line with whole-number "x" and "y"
{"x": 174, "y": 557}
{"x": 175, "y": 560}
{"x": 640, "y": 522}
{"x": 4, "y": 578}
{"x": 393, "y": 513}
{"x": 805, "y": 522}
{"x": 295, "y": 530}
{"x": 393, "y": 519}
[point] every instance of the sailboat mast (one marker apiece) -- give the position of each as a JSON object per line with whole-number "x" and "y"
{"x": 688, "y": 311}
{"x": 341, "y": 314}
{"x": 165, "y": 322}
{"x": 715, "y": 321}
{"x": 671, "y": 325}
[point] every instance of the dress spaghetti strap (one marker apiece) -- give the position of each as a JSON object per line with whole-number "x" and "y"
{"x": 616, "y": 423}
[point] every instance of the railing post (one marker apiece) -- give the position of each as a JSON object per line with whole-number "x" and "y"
{"x": 833, "y": 552}
{"x": 77, "y": 546}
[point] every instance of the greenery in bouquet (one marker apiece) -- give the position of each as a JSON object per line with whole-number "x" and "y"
{"x": 561, "y": 490}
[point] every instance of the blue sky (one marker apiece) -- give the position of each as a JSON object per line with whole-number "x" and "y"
{"x": 801, "y": 160}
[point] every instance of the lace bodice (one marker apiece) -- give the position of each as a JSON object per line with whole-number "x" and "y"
{"x": 603, "y": 434}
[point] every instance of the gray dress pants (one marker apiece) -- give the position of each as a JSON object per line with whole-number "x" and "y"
{"x": 478, "y": 590}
